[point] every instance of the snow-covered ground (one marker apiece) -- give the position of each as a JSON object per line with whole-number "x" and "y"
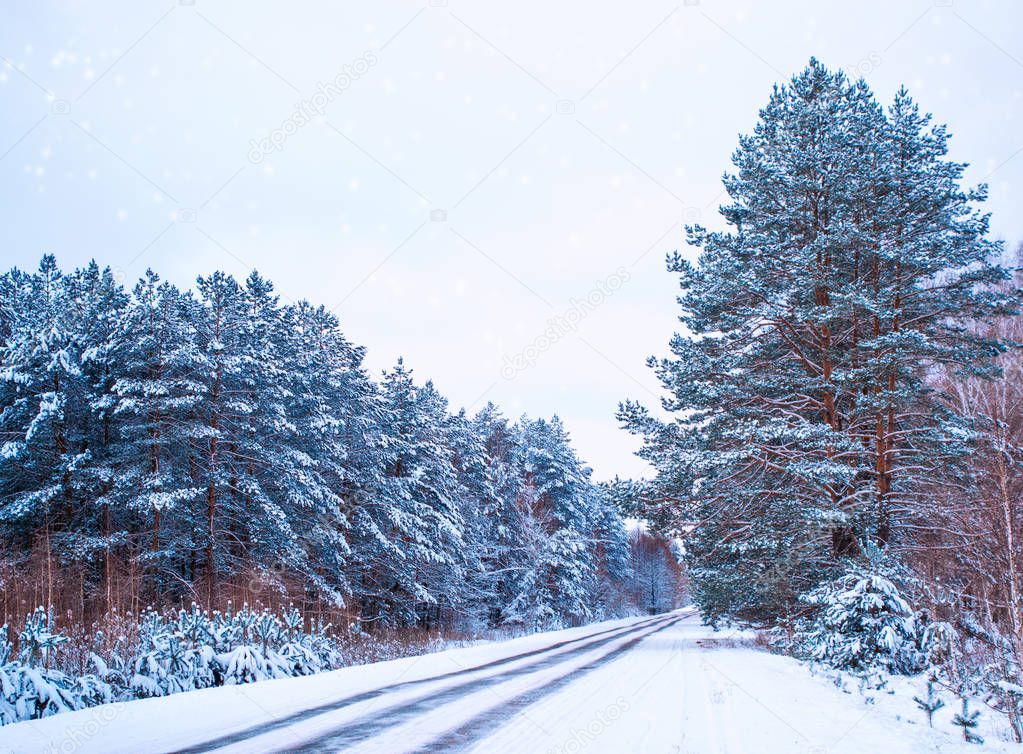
{"x": 664, "y": 684}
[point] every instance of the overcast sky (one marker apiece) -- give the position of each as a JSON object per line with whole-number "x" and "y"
{"x": 453, "y": 177}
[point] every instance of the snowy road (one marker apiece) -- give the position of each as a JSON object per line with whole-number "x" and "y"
{"x": 664, "y": 684}
{"x": 449, "y": 712}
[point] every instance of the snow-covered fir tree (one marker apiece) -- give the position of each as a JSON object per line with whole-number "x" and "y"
{"x": 804, "y": 427}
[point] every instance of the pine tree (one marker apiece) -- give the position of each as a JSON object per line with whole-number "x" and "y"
{"x": 558, "y": 519}
{"x": 863, "y": 624}
{"x": 329, "y": 391}
{"x": 968, "y": 722}
{"x": 221, "y": 414}
{"x": 611, "y": 553}
{"x": 156, "y": 396}
{"x": 274, "y": 455}
{"x": 96, "y": 303}
{"x": 931, "y": 704}
{"x": 804, "y": 424}
{"x": 502, "y": 514}
{"x": 56, "y": 418}
{"x": 415, "y": 509}
{"x": 479, "y": 509}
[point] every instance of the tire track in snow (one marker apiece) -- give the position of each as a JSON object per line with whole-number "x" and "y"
{"x": 339, "y": 704}
{"x": 356, "y": 732}
{"x": 479, "y": 727}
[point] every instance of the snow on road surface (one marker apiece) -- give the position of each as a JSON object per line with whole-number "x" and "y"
{"x": 660, "y": 684}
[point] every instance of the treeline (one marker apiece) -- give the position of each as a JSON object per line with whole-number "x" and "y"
{"x": 160, "y": 447}
{"x": 844, "y": 457}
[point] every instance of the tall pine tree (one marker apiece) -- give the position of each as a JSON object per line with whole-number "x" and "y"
{"x": 803, "y": 422}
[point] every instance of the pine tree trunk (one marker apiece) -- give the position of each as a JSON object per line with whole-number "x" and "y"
{"x": 211, "y": 509}
{"x": 108, "y": 571}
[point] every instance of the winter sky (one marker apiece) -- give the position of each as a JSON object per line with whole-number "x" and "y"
{"x": 453, "y": 177}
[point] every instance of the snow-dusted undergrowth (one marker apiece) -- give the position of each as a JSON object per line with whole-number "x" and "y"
{"x": 185, "y": 650}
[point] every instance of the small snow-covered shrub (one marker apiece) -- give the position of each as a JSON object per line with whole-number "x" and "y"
{"x": 195, "y": 649}
{"x": 930, "y": 703}
{"x": 157, "y": 654}
{"x": 245, "y": 664}
{"x": 31, "y": 693}
{"x": 173, "y": 655}
{"x": 939, "y": 642}
{"x": 114, "y": 670}
{"x": 862, "y": 624}
{"x": 968, "y": 722}
{"x": 29, "y": 688}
